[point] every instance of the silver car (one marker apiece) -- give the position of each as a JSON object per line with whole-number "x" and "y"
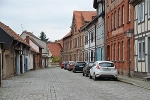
{"x": 103, "y": 69}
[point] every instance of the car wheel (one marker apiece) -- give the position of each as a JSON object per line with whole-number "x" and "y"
{"x": 90, "y": 76}
{"x": 116, "y": 79}
{"x": 83, "y": 74}
{"x": 86, "y": 75}
{"x": 74, "y": 70}
{"x": 94, "y": 77}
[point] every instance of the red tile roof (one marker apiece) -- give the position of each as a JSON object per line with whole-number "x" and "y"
{"x": 14, "y": 35}
{"x": 68, "y": 34}
{"x": 83, "y": 16}
{"x": 54, "y": 48}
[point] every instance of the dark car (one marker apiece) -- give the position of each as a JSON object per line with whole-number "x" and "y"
{"x": 78, "y": 66}
{"x": 86, "y": 69}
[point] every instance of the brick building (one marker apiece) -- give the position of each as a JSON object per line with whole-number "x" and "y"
{"x": 74, "y": 41}
{"x": 119, "y": 19}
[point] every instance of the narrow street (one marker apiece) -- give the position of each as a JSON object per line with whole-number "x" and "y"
{"x": 60, "y": 84}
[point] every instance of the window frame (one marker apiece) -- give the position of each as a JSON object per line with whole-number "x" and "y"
{"x": 141, "y": 50}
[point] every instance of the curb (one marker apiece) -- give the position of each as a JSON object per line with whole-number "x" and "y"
{"x": 132, "y": 83}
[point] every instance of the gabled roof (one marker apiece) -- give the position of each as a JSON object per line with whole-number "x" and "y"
{"x": 14, "y": 35}
{"x": 68, "y": 34}
{"x": 60, "y": 42}
{"x": 31, "y": 34}
{"x": 35, "y": 42}
{"x": 81, "y": 17}
{"x": 54, "y": 48}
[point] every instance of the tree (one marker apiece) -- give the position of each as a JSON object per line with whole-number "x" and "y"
{"x": 43, "y": 36}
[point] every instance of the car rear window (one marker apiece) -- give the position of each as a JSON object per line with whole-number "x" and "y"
{"x": 90, "y": 64}
{"x": 80, "y": 63}
{"x": 106, "y": 64}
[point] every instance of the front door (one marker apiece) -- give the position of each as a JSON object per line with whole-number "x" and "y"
{"x": 148, "y": 54}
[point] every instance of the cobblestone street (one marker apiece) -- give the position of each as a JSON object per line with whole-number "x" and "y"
{"x": 60, "y": 84}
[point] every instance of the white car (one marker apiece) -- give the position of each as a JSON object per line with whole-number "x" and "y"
{"x": 103, "y": 69}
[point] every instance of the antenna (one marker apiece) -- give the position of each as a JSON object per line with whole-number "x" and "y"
{"x": 22, "y": 27}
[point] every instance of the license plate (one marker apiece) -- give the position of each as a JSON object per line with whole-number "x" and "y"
{"x": 80, "y": 66}
{"x": 106, "y": 69}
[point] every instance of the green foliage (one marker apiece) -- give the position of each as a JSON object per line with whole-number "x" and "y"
{"x": 43, "y": 36}
{"x": 56, "y": 59}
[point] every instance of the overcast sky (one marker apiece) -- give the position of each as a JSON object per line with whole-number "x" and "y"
{"x": 53, "y": 17}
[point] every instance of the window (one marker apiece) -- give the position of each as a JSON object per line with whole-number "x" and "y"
{"x": 141, "y": 50}
{"x": 98, "y": 32}
{"x": 122, "y": 50}
{"x": 119, "y": 17}
{"x": 91, "y": 55}
{"x": 141, "y": 12}
{"x": 129, "y": 11}
{"x": 91, "y": 36}
{"x": 114, "y": 52}
{"x": 112, "y": 20}
{"x": 122, "y": 14}
{"x": 115, "y": 20}
{"x": 119, "y": 51}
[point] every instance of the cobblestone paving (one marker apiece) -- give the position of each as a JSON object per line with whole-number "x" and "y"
{"x": 59, "y": 84}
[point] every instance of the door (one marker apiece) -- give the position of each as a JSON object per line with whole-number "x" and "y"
{"x": 148, "y": 54}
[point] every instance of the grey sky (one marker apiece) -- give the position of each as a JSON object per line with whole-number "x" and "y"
{"x": 50, "y": 16}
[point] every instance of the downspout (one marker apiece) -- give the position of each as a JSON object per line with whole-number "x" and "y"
{"x": 14, "y": 57}
{"x": 105, "y": 45}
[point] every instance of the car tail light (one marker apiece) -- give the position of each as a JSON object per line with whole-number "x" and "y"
{"x": 98, "y": 67}
{"x": 88, "y": 68}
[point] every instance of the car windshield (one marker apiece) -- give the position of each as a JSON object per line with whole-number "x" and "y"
{"x": 106, "y": 64}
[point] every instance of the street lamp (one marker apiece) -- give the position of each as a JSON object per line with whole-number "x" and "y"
{"x": 129, "y": 35}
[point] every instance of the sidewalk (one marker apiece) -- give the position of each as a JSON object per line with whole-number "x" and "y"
{"x": 135, "y": 81}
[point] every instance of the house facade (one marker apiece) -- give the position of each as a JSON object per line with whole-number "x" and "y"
{"x": 2, "y": 50}
{"x": 34, "y": 54}
{"x": 141, "y": 37}
{"x": 67, "y": 45}
{"x": 15, "y": 60}
{"x": 89, "y": 44}
{"x": 100, "y": 45}
{"x": 119, "y": 20}
{"x": 55, "y": 52}
{"x": 80, "y": 18}
{"x": 44, "y": 57}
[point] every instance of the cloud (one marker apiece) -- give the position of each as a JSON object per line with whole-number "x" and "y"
{"x": 54, "y": 17}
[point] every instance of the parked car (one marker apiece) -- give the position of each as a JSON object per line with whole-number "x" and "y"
{"x": 70, "y": 65}
{"x": 62, "y": 64}
{"x": 103, "y": 69}
{"x": 86, "y": 69}
{"x": 65, "y": 64}
{"x": 78, "y": 66}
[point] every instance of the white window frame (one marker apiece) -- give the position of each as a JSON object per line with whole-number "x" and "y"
{"x": 141, "y": 56}
{"x": 141, "y": 11}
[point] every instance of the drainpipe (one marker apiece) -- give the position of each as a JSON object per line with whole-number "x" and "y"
{"x": 14, "y": 57}
{"x": 105, "y": 45}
